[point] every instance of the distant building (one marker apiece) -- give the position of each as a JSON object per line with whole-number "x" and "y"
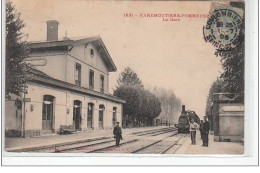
{"x": 69, "y": 87}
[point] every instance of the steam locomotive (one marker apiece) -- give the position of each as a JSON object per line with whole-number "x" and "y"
{"x": 185, "y": 118}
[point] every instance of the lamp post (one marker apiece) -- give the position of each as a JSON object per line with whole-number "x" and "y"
{"x": 23, "y": 117}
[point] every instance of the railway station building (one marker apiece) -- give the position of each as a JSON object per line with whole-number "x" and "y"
{"x": 69, "y": 87}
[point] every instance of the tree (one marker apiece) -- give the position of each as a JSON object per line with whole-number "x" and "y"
{"x": 216, "y": 87}
{"x": 141, "y": 105}
{"x": 233, "y": 75}
{"x": 150, "y": 107}
{"x": 154, "y": 108}
{"x": 132, "y": 96}
{"x": 16, "y": 52}
{"x": 129, "y": 77}
{"x": 170, "y": 104}
{"x": 233, "y": 64}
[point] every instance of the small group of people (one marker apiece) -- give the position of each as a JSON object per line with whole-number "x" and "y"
{"x": 203, "y": 127}
{"x": 204, "y": 131}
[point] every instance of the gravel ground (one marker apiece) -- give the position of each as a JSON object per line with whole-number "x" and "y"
{"x": 233, "y": 148}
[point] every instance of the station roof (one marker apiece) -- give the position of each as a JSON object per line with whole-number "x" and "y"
{"x": 70, "y": 43}
{"x": 42, "y": 78}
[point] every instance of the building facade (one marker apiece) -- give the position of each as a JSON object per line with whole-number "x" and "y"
{"x": 69, "y": 86}
{"x": 227, "y": 118}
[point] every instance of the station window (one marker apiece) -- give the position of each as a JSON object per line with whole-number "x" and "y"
{"x": 102, "y": 83}
{"x": 91, "y": 79}
{"x": 101, "y": 112}
{"x": 91, "y": 52}
{"x": 114, "y": 116}
{"x": 78, "y": 74}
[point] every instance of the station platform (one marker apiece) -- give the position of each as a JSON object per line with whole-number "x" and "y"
{"x": 230, "y": 148}
{"x": 18, "y": 143}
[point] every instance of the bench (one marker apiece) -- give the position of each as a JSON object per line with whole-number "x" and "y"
{"x": 64, "y": 129}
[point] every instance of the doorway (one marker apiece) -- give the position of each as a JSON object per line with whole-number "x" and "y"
{"x": 77, "y": 115}
{"x": 101, "y": 116}
{"x": 114, "y": 117}
{"x": 48, "y": 112}
{"x": 90, "y": 115}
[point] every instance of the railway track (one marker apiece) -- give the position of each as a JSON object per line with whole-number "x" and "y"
{"x": 164, "y": 132}
{"x": 160, "y": 146}
{"x": 81, "y": 146}
{"x": 100, "y": 145}
{"x": 94, "y": 147}
{"x": 54, "y": 147}
{"x": 158, "y": 132}
{"x": 135, "y": 133}
{"x": 111, "y": 147}
{"x": 141, "y": 143}
{"x": 172, "y": 145}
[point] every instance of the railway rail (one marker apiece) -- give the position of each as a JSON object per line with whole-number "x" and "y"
{"x": 154, "y": 133}
{"x": 163, "y": 145}
{"x": 82, "y": 146}
{"x": 112, "y": 146}
{"x": 142, "y": 143}
{"x": 138, "y": 138}
{"x": 105, "y": 144}
{"x": 135, "y": 133}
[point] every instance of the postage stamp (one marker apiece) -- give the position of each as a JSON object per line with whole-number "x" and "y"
{"x": 223, "y": 29}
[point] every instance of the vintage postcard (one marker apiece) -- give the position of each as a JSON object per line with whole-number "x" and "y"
{"x": 125, "y": 79}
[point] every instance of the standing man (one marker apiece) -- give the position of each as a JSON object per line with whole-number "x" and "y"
{"x": 205, "y": 132}
{"x": 117, "y": 133}
{"x": 193, "y": 127}
{"x": 201, "y": 124}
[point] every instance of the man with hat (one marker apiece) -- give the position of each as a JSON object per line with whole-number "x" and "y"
{"x": 205, "y": 132}
{"x": 117, "y": 133}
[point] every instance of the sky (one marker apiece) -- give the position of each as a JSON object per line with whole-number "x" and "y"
{"x": 168, "y": 54}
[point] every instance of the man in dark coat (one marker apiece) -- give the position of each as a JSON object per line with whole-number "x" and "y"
{"x": 117, "y": 133}
{"x": 205, "y": 132}
{"x": 201, "y": 124}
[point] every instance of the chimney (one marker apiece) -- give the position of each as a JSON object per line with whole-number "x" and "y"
{"x": 183, "y": 109}
{"x": 52, "y": 30}
{"x": 66, "y": 37}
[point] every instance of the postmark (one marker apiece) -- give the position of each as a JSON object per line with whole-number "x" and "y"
{"x": 223, "y": 28}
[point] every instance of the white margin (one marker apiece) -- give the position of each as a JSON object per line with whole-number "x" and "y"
{"x": 251, "y": 119}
